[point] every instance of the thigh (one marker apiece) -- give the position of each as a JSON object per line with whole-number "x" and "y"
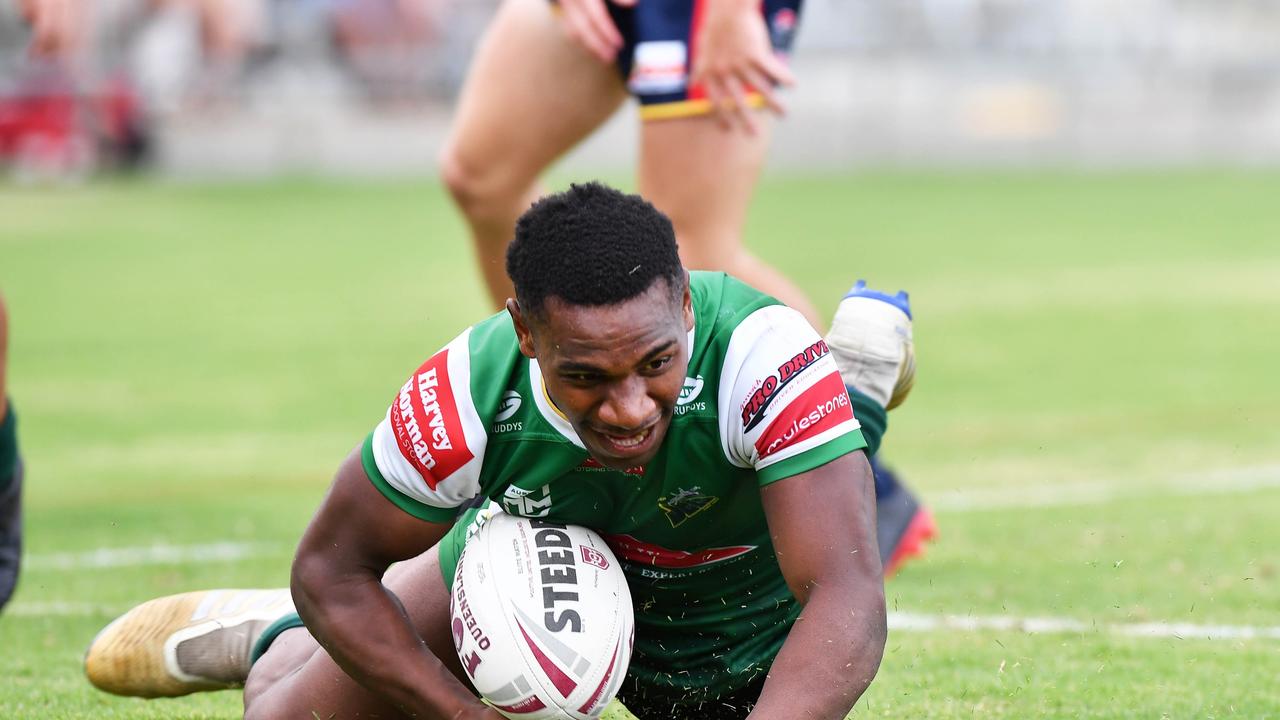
{"x": 530, "y": 95}
{"x": 702, "y": 177}
{"x": 297, "y": 678}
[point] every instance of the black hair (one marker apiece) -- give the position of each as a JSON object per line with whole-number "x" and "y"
{"x": 591, "y": 245}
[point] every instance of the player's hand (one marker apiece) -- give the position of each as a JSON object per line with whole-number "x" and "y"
{"x": 735, "y": 57}
{"x": 589, "y": 24}
{"x": 56, "y": 25}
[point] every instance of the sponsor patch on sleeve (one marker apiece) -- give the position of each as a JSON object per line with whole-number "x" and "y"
{"x": 426, "y": 422}
{"x": 823, "y": 406}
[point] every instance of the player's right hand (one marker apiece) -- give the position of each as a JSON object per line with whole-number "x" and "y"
{"x": 735, "y": 57}
{"x": 588, "y": 23}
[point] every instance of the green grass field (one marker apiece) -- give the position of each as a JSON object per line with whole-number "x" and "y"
{"x": 1096, "y": 422}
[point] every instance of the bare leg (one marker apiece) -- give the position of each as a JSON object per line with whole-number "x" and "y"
{"x": 531, "y": 95}
{"x": 297, "y": 678}
{"x": 703, "y": 177}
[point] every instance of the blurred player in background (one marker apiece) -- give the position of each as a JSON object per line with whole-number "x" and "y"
{"x": 548, "y": 73}
{"x": 10, "y": 476}
{"x": 77, "y": 104}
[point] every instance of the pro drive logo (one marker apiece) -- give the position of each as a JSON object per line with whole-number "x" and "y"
{"x": 821, "y": 408}
{"x": 753, "y": 410}
{"x": 426, "y": 423}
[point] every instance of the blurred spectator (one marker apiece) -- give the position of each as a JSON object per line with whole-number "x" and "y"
{"x": 74, "y": 103}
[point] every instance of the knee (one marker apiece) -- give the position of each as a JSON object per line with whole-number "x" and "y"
{"x": 478, "y": 189}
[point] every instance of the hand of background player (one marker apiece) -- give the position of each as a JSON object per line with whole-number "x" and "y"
{"x": 589, "y": 24}
{"x": 57, "y": 26}
{"x": 734, "y": 56}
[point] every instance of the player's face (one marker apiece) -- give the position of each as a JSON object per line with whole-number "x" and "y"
{"x": 615, "y": 371}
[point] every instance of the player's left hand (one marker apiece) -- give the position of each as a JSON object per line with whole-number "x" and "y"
{"x": 734, "y": 58}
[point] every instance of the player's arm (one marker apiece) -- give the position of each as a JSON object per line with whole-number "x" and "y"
{"x": 822, "y": 523}
{"x": 337, "y": 587}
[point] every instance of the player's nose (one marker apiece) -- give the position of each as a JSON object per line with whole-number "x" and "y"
{"x": 628, "y": 406}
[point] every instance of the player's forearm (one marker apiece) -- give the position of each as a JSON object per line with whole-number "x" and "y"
{"x": 364, "y": 629}
{"x": 829, "y": 658}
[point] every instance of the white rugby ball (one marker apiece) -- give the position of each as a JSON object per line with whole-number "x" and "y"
{"x": 542, "y": 618}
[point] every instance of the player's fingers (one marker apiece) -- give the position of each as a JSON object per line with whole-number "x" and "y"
{"x": 715, "y": 96}
{"x": 596, "y": 22}
{"x": 738, "y": 109}
{"x": 581, "y": 31}
{"x": 775, "y": 68}
{"x": 764, "y": 88}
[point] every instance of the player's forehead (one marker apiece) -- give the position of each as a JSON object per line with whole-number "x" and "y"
{"x": 622, "y": 330}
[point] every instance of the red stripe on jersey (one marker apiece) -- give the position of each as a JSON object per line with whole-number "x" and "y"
{"x": 425, "y": 420}
{"x": 818, "y": 409}
{"x": 638, "y": 551}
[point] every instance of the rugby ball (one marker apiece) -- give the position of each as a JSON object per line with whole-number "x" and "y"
{"x": 541, "y": 618}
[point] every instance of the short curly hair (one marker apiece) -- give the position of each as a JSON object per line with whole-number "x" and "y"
{"x": 591, "y": 245}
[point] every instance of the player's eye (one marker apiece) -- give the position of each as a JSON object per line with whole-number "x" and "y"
{"x": 658, "y": 363}
{"x": 580, "y": 378}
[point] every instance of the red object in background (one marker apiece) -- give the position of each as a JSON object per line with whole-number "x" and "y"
{"x": 46, "y": 126}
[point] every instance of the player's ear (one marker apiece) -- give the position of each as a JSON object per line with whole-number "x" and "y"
{"x": 687, "y": 302}
{"x": 523, "y": 335}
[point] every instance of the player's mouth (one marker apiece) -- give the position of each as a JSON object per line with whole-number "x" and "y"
{"x": 629, "y": 446}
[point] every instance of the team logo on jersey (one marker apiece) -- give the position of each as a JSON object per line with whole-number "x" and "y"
{"x": 690, "y": 391}
{"x": 508, "y": 407}
{"x": 684, "y": 504}
{"x": 527, "y": 503}
{"x": 753, "y": 410}
{"x": 782, "y": 30}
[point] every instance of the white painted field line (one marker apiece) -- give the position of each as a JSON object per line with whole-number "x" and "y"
{"x": 898, "y": 622}
{"x": 158, "y": 554}
{"x": 915, "y": 622}
{"x": 1217, "y": 482}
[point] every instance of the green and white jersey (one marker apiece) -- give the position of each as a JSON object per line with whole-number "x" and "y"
{"x": 762, "y": 401}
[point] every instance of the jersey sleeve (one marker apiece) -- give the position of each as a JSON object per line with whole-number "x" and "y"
{"x": 784, "y": 408}
{"x": 425, "y": 455}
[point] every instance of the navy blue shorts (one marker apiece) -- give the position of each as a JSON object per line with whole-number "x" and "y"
{"x": 659, "y": 46}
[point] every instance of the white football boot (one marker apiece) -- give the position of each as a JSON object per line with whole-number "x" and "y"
{"x": 870, "y": 340}
{"x": 184, "y": 643}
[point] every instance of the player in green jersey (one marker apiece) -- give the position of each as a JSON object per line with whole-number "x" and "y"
{"x": 702, "y": 427}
